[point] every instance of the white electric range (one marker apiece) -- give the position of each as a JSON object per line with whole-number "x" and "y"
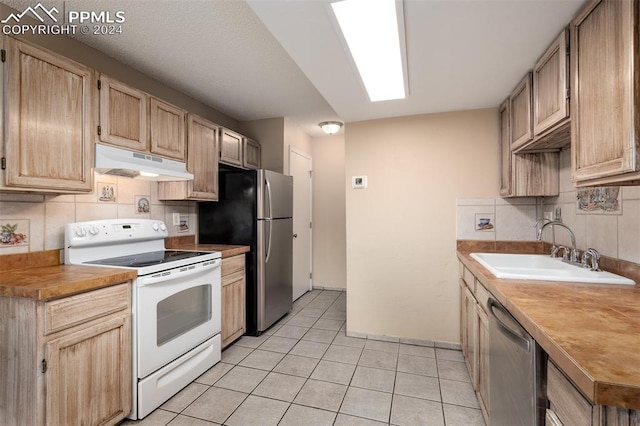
{"x": 176, "y": 302}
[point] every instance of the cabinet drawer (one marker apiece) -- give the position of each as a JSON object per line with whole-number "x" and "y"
{"x": 64, "y": 313}
{"x": 482, "y": 295}
{"x": 232, "y": 264}
{"x": 570, "y": 407}
{"x": 468, "y": 278}
{"x": 233, "y": 278}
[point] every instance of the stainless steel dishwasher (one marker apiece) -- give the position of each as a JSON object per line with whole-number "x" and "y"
{"x": 516, "y": 373}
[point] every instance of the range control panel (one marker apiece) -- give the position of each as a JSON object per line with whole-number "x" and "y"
{"x": 111, "y": 231}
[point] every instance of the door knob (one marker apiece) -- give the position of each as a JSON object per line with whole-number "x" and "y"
{"x": 295, "y": 235}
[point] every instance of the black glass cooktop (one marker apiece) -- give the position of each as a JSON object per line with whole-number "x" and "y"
{"x": 147, "y": 259}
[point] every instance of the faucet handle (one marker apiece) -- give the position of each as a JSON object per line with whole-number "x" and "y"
{"x": 592, "y": 254}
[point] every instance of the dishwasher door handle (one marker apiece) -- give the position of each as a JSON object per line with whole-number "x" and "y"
{"x": 491, "y": 304}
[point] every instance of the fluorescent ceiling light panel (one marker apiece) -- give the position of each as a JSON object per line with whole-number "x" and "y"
{"x": 370, "y": 28}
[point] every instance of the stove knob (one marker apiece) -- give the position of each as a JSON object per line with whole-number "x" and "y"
{"x": 162, "y": 227}
{"x": 81, "y": 232}
{"x": 93, "y": 230}
{"x": 155, "y": 226}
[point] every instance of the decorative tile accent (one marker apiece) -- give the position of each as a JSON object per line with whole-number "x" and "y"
{"x": 107, "y": 192}
{"x": 142, "y": 204}
{"x": 599, "y": 200}
{"x": 15, "y": 232}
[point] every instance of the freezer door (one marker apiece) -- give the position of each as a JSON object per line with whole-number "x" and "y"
{"x": 275, "y": 270}
{"x": 275, "y": 195}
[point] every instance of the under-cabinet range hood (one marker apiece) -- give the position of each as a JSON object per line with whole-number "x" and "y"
{"x": 122, "y": 162}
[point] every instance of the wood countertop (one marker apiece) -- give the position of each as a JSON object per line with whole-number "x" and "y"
{"x": 55, "y": 281}
{"x": 226, "y": 249}
{"x": 592, "y": 332}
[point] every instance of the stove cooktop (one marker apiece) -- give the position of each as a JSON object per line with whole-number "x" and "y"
{"x": 143, "y": 260}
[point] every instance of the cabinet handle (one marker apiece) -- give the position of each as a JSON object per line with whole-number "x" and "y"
{"x": 44, "y": 366}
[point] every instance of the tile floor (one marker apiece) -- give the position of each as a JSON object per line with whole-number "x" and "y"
{"x": 305, "y": 371}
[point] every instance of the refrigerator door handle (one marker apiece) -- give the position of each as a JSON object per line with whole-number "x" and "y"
{"x": 269, "y": 197}
{"x": 266, "y": 260}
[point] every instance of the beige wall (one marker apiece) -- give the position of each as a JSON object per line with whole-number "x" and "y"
{"x": 329, "y": 226}
{"x": 402, "y": 271}
{"x": 294, "y": 137}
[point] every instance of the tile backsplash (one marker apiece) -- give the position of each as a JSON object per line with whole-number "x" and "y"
{"x": 615, "y": 234}
{"x": 46, "y": 215}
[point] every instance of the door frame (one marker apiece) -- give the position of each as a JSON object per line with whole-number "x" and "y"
{"x": 293, "y": 150}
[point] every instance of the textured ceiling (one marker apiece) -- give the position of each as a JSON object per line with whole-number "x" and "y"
{"x": 283, "y": 58}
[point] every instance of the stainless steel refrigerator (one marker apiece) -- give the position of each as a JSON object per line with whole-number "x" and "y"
{"x": 255, "y": 208}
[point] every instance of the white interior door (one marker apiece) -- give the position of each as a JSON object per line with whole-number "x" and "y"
{"x": 300, "y": 169}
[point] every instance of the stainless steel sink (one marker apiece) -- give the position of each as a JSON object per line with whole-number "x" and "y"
{"x": 544, "y": 268}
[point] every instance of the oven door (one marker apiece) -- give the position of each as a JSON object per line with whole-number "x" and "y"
{"x": 176, "y": 310}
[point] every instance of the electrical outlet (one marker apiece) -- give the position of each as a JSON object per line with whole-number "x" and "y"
{"x": 176, "y": 219}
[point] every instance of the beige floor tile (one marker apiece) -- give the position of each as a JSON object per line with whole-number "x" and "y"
{"x": 280, "y": 386}
{"x": 298, "y": 415}
{"x": 415, "y": 350}
{"x": 328, "y": 324}
{"x": 377, "y": 359}
{"x": 453, "y": 370}
{"x": 319, "y": 335}
{"x": 302, "y": 321}
{"x": 186, "y": 396}
{"x": 309, "y": 349}
{"x": 458, "y": 393}
{"x": 462, "y": 416}
{"x": 156, "y": 418}
{"x": 377, "y": 345}
{"x": 241, "y": 379}
{"x": 215, "y": 405}
{"x": 278, "y": 344}
{"x": 417, "y": 386}
{"x": 258, "y": 411}
{"x": 448, "y": 354}
{"x": 416, "y": 412}
{"x": 374, "y": 379}
{"x": 296, "y": 365}
{"x": 324, "y": 395}
{"x": 346, "y": 420}
{"x": 291, "y": 331}
{"x": 354, "y": 342}
{"x": 367, "y": 403}
{"x": 311, "y": 312}
{"x": 181, "y": 420}
{"x": 417, "y": 365}
{"x": 342, "y": 354}
{"x": 334, "y": 372}
{"x": 214, "y": 374}
{"x": 264, "y": 360}
{"x": 235, "y": 354}
{"x": 251, "y": 341}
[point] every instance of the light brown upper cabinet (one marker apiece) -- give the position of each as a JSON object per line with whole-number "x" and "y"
{"x": 49, "y": 131}
{"x": 123, "y": 115}
{"x": 525, "y": 175}
{"x": 231, "y": 148}
{"x": 167, "y": 129}
{"x": 251, "y": 154}
{"x": 520, "y": 113}
{"x": 606, "y": 74}
{"x": 202, "y": 161}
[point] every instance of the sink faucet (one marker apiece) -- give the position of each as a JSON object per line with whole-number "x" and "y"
{"x": 541, "y": 223}
{"x": 553, "y": 224}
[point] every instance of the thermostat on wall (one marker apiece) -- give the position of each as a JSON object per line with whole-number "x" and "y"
{"x": 359, "y": 182}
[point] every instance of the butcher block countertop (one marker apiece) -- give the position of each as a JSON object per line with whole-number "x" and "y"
{"x": 39, "y": 276}
{"x": 592, "y": 332}
{"x": 188, "y": 243}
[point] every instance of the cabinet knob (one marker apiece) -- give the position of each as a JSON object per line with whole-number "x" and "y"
{"x": 295, "y": 235}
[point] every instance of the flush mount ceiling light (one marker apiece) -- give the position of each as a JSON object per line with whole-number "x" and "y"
{"x": 374, "y": 32}
{"x": 330, "y": 127}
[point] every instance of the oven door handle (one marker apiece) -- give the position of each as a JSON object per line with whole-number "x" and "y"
{"x": 506, "y": 330}
{"x": 182, "y": 272}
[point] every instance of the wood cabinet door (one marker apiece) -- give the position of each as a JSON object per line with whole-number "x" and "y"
{"x": 252, "y": 153}
{"x": 506, "y": 176}
{"x": 550, "y": 86}
{"x": 483, "y": 360}
{"x": 88, "y": 380}
{"x": 202, "y": 158}
{"x": 233, "y": 306}
{"x": 520, "y": 113}
{"x": 49, "y": 107}
{"x": 167, "y": 129}
{"x": 604, "y": 123}
{"x": 469, "y": 320}
{"x": 231, "y": 148}
{"x": 123, "y": 115}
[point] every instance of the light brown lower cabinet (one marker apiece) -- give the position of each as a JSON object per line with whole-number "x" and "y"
{"x": 233, "y": 299}
{"x": 66, "y": 361}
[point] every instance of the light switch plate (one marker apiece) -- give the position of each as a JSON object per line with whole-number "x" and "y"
{"x": 176, "y": 219}
{"x": 359, "y": 182}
